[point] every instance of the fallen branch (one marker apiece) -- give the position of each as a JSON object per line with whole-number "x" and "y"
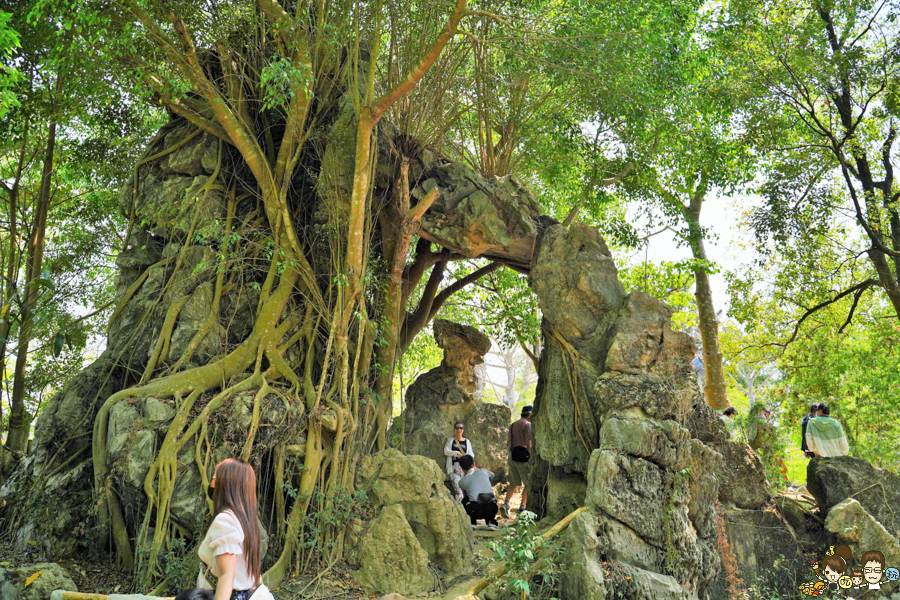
{"x": 500, "y": 569}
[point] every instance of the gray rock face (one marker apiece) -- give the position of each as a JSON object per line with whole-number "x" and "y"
{"x": 619, "y": 418}
{"x": 477, "y": 217}
{"x": 442, "y": 396}
{"x": 174, "y": 187}
{"x": 50, "y": 576}
{"x": 585, "y": 579}
{"x": 765, "y": 548}
{"x": 577, "y": 285}
{"x": 742, "y": 476}
{"x": 464, "y": 347}
{"x": 833, "y": 480}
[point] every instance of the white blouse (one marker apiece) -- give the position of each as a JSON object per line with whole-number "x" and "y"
{"x": 225, "y": 536}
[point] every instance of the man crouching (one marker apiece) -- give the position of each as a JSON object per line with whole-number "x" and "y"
{"x": 478, "y": 499}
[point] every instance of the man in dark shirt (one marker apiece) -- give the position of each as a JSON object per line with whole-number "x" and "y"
{"x": 812, "y": 415}
{"x": 518, "y": 441}
{"x": 478, "y": 499}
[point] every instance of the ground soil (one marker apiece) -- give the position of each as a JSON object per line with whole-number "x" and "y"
{"x": 98, "y": 574}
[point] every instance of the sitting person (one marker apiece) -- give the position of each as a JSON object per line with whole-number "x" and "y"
{"x": 825, "y": 436}
{"x": 478, "y": 500}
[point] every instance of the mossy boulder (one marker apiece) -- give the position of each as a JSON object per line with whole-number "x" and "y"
{"x": 34, "y": 582}
{"x": 390, "y": 557}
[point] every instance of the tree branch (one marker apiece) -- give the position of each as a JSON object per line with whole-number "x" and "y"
{"x": 381, "y": 105}
{"x": 460, "y": 284}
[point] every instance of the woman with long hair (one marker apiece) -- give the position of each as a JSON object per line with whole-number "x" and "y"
{"x": 230, "y": 556}
{"x": 455, "y": 448}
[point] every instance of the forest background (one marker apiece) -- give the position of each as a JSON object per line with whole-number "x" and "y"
{"x": 632, "y": 118}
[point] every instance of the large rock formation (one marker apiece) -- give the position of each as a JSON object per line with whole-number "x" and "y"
{"x": 833, "y": 480}
{"x": 444, "y": 395}
{"x": 856, "y": 528}
{"x": 614, "y": 395}
{"x": 619, "y": 422}
{"x": 410, "y": 488}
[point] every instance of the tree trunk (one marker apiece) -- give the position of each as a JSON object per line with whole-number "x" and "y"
{"x": 19, "y": 419}
{"x": 715, "y": 390}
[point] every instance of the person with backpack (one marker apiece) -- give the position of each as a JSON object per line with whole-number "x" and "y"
{"x": 518, "y": 441}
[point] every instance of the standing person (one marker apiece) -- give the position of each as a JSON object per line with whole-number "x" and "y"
{"x": 455, "y": 448}
{"x": 479, "y": 500}
{"x": 230, "y": 556}
{"x": 814, "y": 407}
{"x": 699, "y": 368}
{"x": 518, "y": 441}
{"x": 825, "y": 436}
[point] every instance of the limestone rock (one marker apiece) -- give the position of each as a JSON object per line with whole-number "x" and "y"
{"x": 564, "y": 426}
{"x": 464, "y": 347}
{"x": 577, "y": 285}
{"x": 565, "y": 492}
{"x": 426, "y": 431}
{"x": 141, "y": 251}
{"x": 170, "y": 191}
{"x": 742, "y": 476}
{"x": 51, "y": 577}
{"x": 833, "y": 480}
{"x": 644, "y": 341}
{"x": 391, "y": 477}
{"x": 442, "y": 396}
{"x": 664, "y": 443}
{"x": 632, "y": 583}
{"x": 703, "y": 422}
{"x": 390, "y": 557}
{"x": 442, "y": 528}
{"x": 630, "y": 490}
{"x": 765, "y": 548}
{"x": 581, "y": 575}
{"x": 192, "y": 315}
{"x": 859, "y": 530}
{"x": 479, "y": 217}
{"x": 415, "y": 483}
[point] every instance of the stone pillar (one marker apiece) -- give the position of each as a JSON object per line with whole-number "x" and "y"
{"x": 444, "y": 395}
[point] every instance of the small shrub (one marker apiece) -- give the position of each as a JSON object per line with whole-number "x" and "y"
{"x": 528, "y": 576}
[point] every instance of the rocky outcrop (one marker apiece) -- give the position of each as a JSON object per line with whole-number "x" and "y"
{"x": 34, "y": 582}
{"x": 741, "y": 475}
{"x": 833, "y": 480}
{"x": 856, "y": 528}
{"x": 444, "y": 395}
{"x": 390, "y": 557}
{"x": 765, "y": 548}
{"x": 415, "y": 484}
{"x": 498, "y": 218}
{"x": 619, "y": 418}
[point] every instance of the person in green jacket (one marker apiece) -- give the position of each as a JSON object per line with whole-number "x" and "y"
{"x": 825, "y": 436}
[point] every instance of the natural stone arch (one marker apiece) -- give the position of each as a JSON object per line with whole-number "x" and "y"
{"x": 612, "y": 375}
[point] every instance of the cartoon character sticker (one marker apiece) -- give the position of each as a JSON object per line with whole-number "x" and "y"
{"x": 873, "y": 568}
{"x": 835, "y": 578}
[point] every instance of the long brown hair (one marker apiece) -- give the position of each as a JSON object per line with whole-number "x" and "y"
{"x": 236, "y": 491}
